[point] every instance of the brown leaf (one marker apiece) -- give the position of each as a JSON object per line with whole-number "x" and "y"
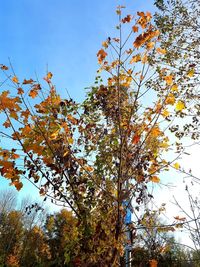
{"x": 3, "y": 67}
{"x": 20, "y": 91}
{"x": 30, "y": 81}
{"x": 127, "y": 19}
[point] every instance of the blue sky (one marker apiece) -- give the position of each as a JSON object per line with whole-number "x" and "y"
{"x": 63, "y": 35}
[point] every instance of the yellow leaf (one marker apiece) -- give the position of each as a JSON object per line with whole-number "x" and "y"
{"x": 176, "y": 165}
{"x": 55, "y": 134}
{"x": 190, "y": 73}
{"x": 170, "y": 100}
{"x": 155, "y": 179}
{"x": 164, "y": 145}
{"x": 165, "y": 113}
{"x": 15, "y": 79}
{"x": 105, "y": 44}
{"x": 70, "y": 140}
{"x": 174, "y": 87}
{"x": 66, "y": 153}
{"x": 135, "y": 58}
{"x": 180, "y": 105}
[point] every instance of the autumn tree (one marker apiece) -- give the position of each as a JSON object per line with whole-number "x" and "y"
{"x": 11, "y": 232}
{"x": 62, "y": 238}
{"x": 178, "y": 22}
{"x": 100, "y": 156}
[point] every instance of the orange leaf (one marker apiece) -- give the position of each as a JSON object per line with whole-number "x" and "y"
{"x": 33, "y": 93}
{"x": 15, "y": 79}
{"x": 72, "y": 119}
{"x": 135, "y": 28}
{"x": 170, "y": 100}
{"x": 169, "y": 79}
{"x": 150, "y": 45}
{"x": 49, "y": 75}
{"x": 161, "y": 51}
{"x": 155, "y": 131}
{"x": 153, "y": 263}
{"x": 101, "y": 55}
{"x": 136, "y": 139}
{"x": 88, "y": 168}
{"x": 15, "y": 156}
{"x": 165, "y": 113}
{"x": 155, "y": 179}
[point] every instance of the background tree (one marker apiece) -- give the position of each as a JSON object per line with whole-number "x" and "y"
{"x": 62, "y": 237}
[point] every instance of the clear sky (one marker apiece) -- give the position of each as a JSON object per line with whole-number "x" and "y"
{"x": 65, "y": 34}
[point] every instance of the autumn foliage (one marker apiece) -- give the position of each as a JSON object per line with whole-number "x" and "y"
{"x": 95, "y": 156}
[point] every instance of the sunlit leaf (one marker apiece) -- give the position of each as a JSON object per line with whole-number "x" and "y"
{"x": 135, "y": 28}
{"x": 155, "y": 179}
{"x": 49, "y": 75}
{"x": 101, "y": 55}
{"x": 174, "y": 87}
{"x": 191, "y": 73}
{"x": 180, "y": 105}
{"x": 169, "y": 79}
{"x": 15, "y": 79}
{"x": 176, "y": 165}
{"x": 161, "y": 51}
